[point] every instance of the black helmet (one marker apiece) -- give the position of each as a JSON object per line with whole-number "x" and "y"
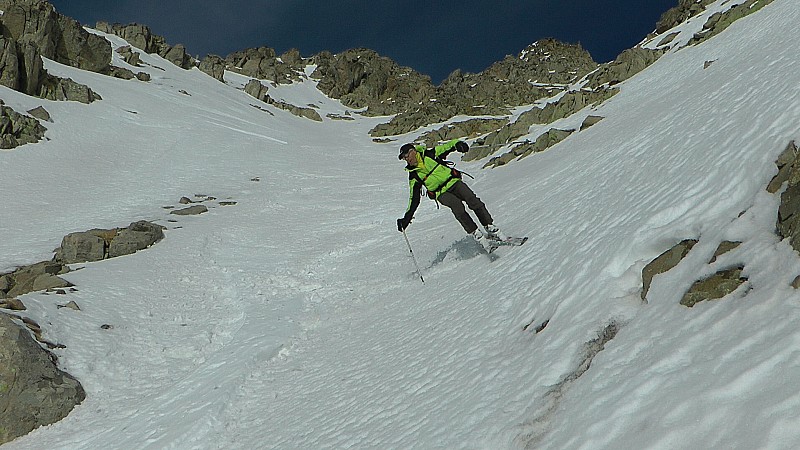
{"x": 405, "y": 149}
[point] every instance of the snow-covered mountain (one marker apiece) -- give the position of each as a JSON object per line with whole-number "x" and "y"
{"x": 296, "y": 319}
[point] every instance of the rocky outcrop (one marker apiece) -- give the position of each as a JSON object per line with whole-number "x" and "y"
{"x": 361, "y": 78}
{"x": 99, "y": 244}
{"x": 56, "y": 37}
{"x": 32, "y": 29}
{"x": 721, "y": 20}
{"x": 713, "y": 287}
{"x": 17, "y": 129}
{"x": 65, "y": 89}
{"x": 626, "y": 65}
{"x": 663, "y": 263}
{"x": 678, "y": 14}
{"x": 542, "y": 70}
{"x": 264, "y": 64}
{"x": 256, "y": 89}
{"x": 35, "y": 277}
{"x": 80, "y": 247}
{"x": 460, "y": 130}
{"x": 142, "y": 38}
{"x": 546, "y": 140}
{"x": 788, "y": 224}
{"x": 33, "y": 391}
{"x": 568, "y": 104}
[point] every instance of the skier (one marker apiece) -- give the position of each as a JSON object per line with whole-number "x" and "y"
{"x": 426, "y": 167}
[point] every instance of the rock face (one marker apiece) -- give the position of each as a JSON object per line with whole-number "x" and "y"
{"x": 32, "y": 29}
{"x": 361, "y": 78}
{"x": 33, "y": 391}
{"x": 57, "y": 37}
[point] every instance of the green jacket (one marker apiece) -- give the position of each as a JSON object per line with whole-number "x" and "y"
{"x": 437, "y": 178}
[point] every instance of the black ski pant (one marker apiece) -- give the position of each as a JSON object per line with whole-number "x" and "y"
{"x": 455, "y": 197}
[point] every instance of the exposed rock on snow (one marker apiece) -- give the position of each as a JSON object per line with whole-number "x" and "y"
{"x": 33, "y": 391}
{"x": 664, "y": 262}
{"x": 17, "y": 129}
{"x": 97, "y": 244}
{"x": 142, "y": 38}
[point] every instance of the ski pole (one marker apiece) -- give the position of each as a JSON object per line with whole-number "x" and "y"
{"x": 413, "y": 257}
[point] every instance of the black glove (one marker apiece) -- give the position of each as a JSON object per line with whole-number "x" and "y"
{"x": 462, "y": 147}
{"x": 402, "y": 223}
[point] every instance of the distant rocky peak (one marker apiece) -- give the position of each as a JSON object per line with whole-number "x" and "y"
{"x": 545, "y": 49}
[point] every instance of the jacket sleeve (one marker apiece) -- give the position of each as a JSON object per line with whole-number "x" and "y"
{"x": 442, "y": 150}
{"x": 415, "y": 192}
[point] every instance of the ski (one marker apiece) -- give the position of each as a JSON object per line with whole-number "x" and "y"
{"x": 510, "y": 241}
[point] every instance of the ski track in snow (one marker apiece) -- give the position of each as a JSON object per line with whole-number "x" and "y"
{"x": 295, "y": 319}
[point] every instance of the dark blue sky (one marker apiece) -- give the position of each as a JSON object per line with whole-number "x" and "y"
{"x": 432, "y": 37}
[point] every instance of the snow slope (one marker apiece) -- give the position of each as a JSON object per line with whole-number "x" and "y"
{"x": 295, "y": 318}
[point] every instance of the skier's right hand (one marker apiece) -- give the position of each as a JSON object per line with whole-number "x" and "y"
{"x": 402, "y": 224}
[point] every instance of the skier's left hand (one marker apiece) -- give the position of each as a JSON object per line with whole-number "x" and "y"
{"x": 402, "y": 224}
{"x": 462, "y": 147}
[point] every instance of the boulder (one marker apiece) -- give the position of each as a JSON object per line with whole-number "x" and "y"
{"x": 40, "y": 113}
{"x": 723, "y": 248}
{"x": 300, "y": 111}
{"x": 589, "y": 121}
{"x": 138, "y": 236}
{"x": 665, "y": 262}
{"x": 256, "y": 89}
{"x": 214, "y": 66}
{"x": 177, "y": 55}
{"x": 12, "y": 304}
{"x": 121, "y": 72}
{"x": 33, "y": 391}
{"x": 190, "y": 211}
{"x": 84, "y": 246}
{"x": 65, "y": 89}
{"x": 714, "y": 287}
{"x": 129, "y": 56}
{"x": 35, "y": 277}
